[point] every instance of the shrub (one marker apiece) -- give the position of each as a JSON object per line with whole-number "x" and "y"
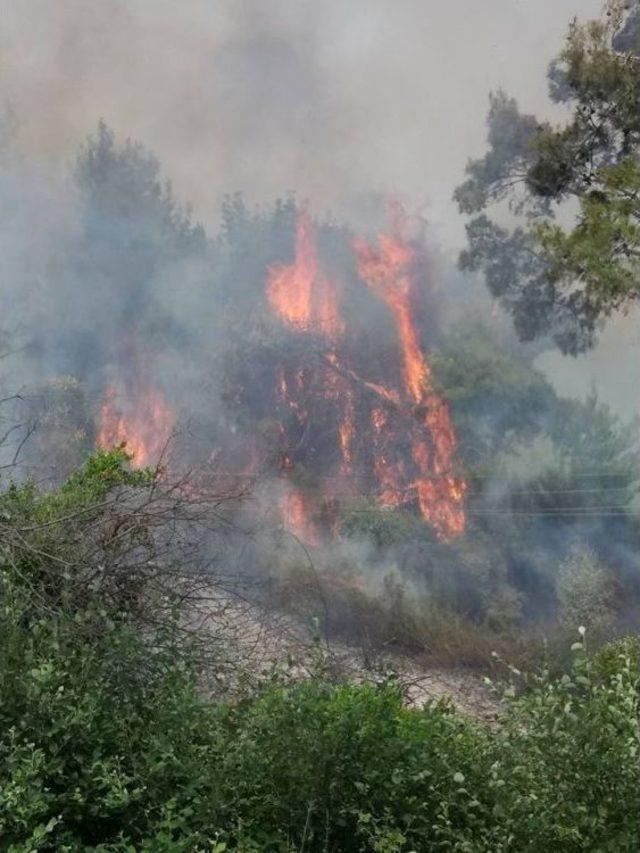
{"x": 567, "y": 760}
{"x": 623, "y": 652}
{"x": 107, "y": 743}
{"x": 586, "y": 594}
{"x": 103, "y": 748}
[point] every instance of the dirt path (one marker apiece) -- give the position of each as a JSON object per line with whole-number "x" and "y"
{"x": 251, "y": 642}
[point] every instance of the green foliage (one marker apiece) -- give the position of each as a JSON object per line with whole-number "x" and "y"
{"x": 603, "y": 250}
{"x": 123, "y": 183}
{"x": 133, "y": 241}
{"x": 82, "y": 758}
{"x": 81, "y": 493}
{"x": 383, "y": 526}
{"x": 569, "y": 760}
{"x": 593, "y": 438}
{"x": 501, "y": 404}
{"x": 63, "y": 434}
{"x": 60, "y": 548}
{"x": 543, "y": 473}
{"x": 509, "y": 137}
{"x": 105, "y": 746}
{"x": 101, "y": 472}
{"x": 624, "y": 651}
{"x": 553, "y": 278}
{"x": 493, "y": 390}
{"x": 107, "y": 743}
{"x": 585, "y": 459}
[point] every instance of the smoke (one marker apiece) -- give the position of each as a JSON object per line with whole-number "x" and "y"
{"x": 347, "y": 105}
{"x": 343, "y": 102}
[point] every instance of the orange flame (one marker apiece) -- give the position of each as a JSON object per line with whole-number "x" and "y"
{"x": 300, "y": 295}
{"x": 296, "y": 516}
{"x": 390, "y": 271}
{"x": 144, "y": 427}
{"x": 347, "y": 432}
{"x": 388, "y": 474}
{"x": 308, "y": 302}
{"x": 338, "y": 389}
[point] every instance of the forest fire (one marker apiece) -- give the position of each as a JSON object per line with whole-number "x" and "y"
{"x": 299, "y": 293}
{"x": 351, "y": 419}
{"x": 390, "y": 272}
{"x": 296, "y": 516}
{"x": 347, "y": 433}
{"x": 141, "y": 422}
{"x": 408, "y": 441}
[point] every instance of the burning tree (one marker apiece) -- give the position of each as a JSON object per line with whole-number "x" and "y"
{"x": 142, "y": 421}
{"x": 356, "y": 408}
{"x": 355, "y": 425}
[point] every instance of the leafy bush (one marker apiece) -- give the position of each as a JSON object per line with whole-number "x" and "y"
{"x": 569, "y": 760}
{"x": 624, "y": 651}
{"x": 586, "y": 593}
{"x": 107, "y": 743}
{"x": 105, "y": 748}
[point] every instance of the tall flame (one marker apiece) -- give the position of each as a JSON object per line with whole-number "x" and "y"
{"x": 296, "y": 516}
{"x": 416, "y": 464}
{"x": 301, "y": 296}
{"x": 142, "y": 423}
{"x": 347, "y": 432}
{"x": 390, "y": 271}
{"x": 388, "y": 473}
{"x": 338, "y": 389}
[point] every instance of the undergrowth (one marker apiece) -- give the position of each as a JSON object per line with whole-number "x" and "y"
{"x": 107, "y": 744}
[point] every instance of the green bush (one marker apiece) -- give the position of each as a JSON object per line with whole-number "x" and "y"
{"x": 106, "y": 742}
{"x": 568, "y": 760}
{"x": 105, "y": 747}
{"x": 625, "y": 651}
{"x": 586, "y": 594}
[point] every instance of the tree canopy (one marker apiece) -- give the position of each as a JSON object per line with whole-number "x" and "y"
{"x": 573, "y": 257}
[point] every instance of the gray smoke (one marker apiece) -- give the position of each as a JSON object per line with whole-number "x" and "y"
{"x": 342, "y": 102}
{"x": 345, "y": 103}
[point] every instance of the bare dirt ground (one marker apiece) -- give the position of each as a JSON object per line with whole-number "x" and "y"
{"x": 250, "y": 644}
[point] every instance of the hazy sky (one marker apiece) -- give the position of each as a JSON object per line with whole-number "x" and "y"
{"x": 343, "y": 101}
{"x": 340, "y": 100}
